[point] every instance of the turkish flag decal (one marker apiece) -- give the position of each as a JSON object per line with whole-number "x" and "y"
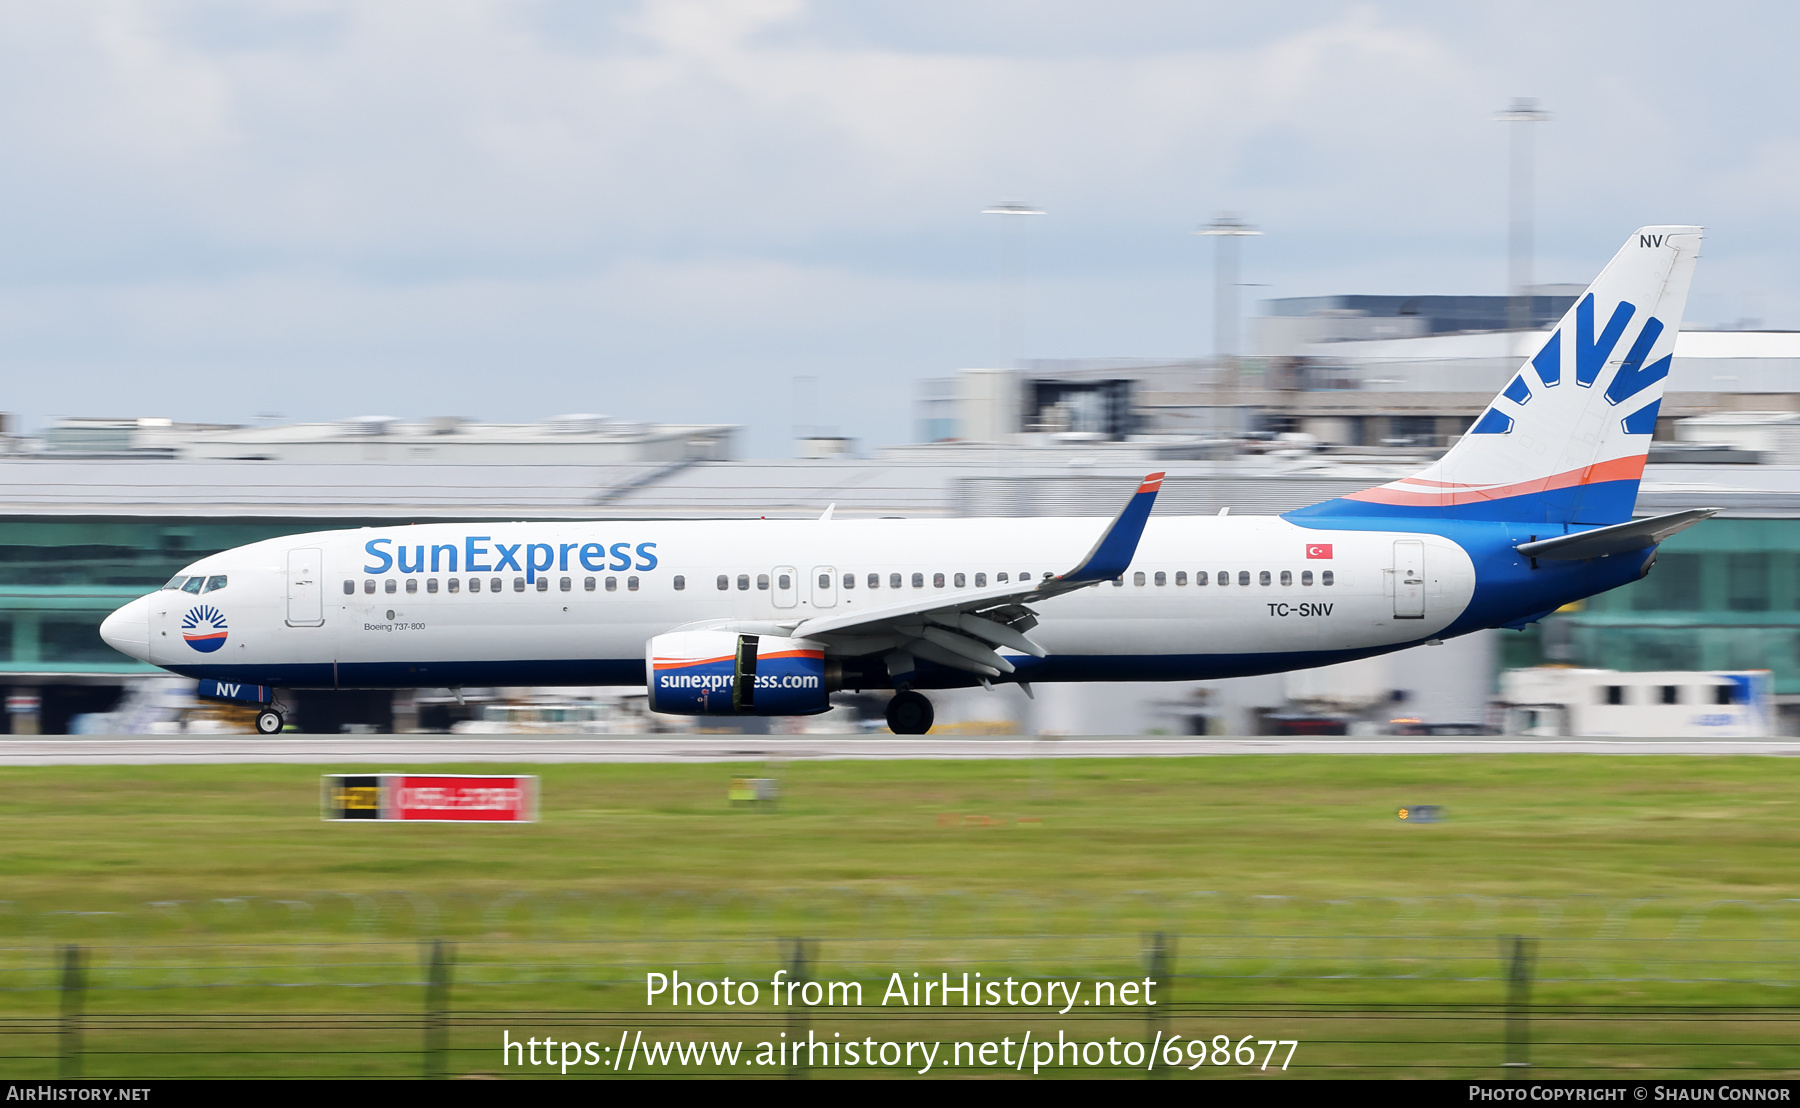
{"x": 1319, "y": 550}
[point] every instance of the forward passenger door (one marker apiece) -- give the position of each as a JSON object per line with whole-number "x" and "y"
{"x": 305, "y": 591}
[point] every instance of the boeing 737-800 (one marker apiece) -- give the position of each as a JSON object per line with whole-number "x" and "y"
{"x": 1530, "y": 510}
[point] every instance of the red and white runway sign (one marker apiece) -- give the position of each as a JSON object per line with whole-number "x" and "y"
{"x": 434, "y": 798}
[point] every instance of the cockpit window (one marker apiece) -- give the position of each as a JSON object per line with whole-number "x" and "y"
{"x": 193, "y": 584}
{"x": 176, "y": 581}
{"x": 214, "y": 584}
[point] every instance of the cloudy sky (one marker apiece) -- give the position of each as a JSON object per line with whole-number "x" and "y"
{"x": 672, "y": 209}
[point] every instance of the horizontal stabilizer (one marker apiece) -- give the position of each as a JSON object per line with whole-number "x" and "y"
{"x": 1620, "y": 538}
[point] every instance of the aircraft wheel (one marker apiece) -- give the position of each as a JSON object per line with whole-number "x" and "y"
{"x": 909, "y": 714}
{"x": 269, "y": 722}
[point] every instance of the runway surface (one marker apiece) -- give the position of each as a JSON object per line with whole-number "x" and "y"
{"x": 426, "y": 749}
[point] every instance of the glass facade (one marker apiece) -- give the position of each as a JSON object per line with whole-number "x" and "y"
{"x": 61, "y": 576}
{"x": 1724, "y": 594}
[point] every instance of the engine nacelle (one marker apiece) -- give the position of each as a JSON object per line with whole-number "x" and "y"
{"x": 720, "y": 673}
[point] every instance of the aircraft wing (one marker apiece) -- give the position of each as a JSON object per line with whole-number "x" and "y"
{"x": 965, "y": 629}
{"x": 1620, "y": 538}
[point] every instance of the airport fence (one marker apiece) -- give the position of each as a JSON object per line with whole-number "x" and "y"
{"x": 411, "y": 985}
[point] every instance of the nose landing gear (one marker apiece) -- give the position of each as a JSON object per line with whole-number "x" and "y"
{"x": 269, "y": 721}
{"x": 909, "y": 714}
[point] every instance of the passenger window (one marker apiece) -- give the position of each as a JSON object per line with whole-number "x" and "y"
{"x": 431, "y": 584}
{"x": 1001, "y": 578}
{"x": 193, "y": 585}
{"x": 918, "y": 580}
{"x": 825, "y": 580}
{"x": 412, "y": 584}
{"x": 495, "y": 584}
{"x": 680, "y": 583}
{"x": 1325, "y": 577}
{"x": 1224, "y": 577}
{"x": 937, "y": 580}
{"x": 724, "y": 582}
{"x": 454, "y": 583}
{"x": 784, "y": 582}
{"x": 743, "y": 581}
{"x": 631, "y": 583}
{"x": 1613, "y": 694}
{"x": 893, "y": 580}
{"x": 176, "y": 582}
{"x": 518, "y": 584}
{"x": 389, "y": 587}
{"x": 349, "y": 588}
{"x": 1263, "y": 578}
{"x": 1119, "y": 581}
{"x": 874, "y": 580}
{"x": 1287, "y": 577}
{"x": 1180, "y": 577}
{"x": 762, "y": 582}
{"x": 214, "y": 584}
{"x": 1722, "y": 695}
{"x": 1138, "y": 578}
{"x": 1306, "y": 578}
{"x": 588, "y": 583}
{"x": 1200, "y": 577}
{"x": 849, "y": 580}
{"x": 474, "y": 584}
{"x": 981, "y": 580}
{"x": 1244, "y": 578}
{"x": 368, "y": 585}
{"x": 612, "y": 584}
{"x": 1161, "y": 577}
{"x": 959, "y": 581}
{"x": 543, "y": 584}
{"x": 1671, "y": 694}
{"x": 565, "y": 584}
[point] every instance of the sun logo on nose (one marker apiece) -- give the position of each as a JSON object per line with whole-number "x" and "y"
{"x": 204, "y": 628}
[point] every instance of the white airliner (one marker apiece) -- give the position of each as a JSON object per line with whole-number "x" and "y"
{"x": 1530, "y": 510}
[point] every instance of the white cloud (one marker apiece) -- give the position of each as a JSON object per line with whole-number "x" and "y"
{"x": 759, "y": 187}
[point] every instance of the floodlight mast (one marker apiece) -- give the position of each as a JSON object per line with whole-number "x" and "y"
{"x": 1227, "y": 227}
{"x": 1524, "y": 109}
{"x": 1009, "y": 312}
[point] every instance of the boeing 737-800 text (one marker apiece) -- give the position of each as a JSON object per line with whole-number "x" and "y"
{"x": 1530, "y": 510}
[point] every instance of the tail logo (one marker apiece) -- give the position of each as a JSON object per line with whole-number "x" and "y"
{"x": 1591, "y": 353}
{"x": 204, "y": 628}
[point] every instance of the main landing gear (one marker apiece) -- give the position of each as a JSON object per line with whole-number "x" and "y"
{"x": 269, "y": 721}
{"x": 909, "y": 714}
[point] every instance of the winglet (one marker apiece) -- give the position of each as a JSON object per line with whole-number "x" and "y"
{"x": 1112, "y": 555}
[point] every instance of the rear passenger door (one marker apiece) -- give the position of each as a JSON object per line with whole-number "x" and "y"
{"x": 1409, "y": 579}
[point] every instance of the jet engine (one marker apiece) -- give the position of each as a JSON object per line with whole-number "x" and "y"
{"x": 721, "y": 673}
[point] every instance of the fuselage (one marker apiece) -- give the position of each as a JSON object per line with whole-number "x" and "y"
{"x": 450, "y": 605}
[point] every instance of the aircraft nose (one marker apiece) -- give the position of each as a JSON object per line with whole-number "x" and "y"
{"x": 128, "y": 629}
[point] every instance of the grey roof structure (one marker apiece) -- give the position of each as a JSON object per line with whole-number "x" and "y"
{"x": 959, "y": 482}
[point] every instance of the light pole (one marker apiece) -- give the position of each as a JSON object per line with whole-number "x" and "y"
{"x": 1523, "y": 110}
{"x": 1009, "y": 310}
{"x": 1226, "y": 228}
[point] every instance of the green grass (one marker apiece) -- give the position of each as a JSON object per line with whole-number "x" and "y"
{"x": 214, "y": 891}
